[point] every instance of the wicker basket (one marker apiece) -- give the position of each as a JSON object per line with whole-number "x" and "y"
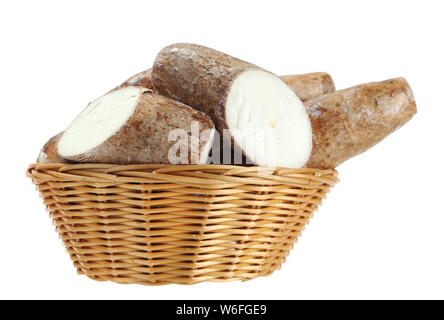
{"x": 162, "y": 224}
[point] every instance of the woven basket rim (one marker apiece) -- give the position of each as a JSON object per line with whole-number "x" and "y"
{"x": 114, "y": 172}
{"x": 181, "y": 166}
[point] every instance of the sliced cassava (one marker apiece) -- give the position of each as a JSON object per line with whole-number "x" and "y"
{"x": 347, "y": 122}
{"x": 49, "y": 154}
{"x": 142, "y": 79}
{"x": 132, "y": 125}
{"x": 260, "y": 112}
{"x": 310, "y": 85}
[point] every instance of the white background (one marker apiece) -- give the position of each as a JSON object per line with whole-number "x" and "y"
{"x": 380, "y": 232}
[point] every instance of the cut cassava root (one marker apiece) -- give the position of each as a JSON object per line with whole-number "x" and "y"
{"x": 347, "y": 122}
{"x": 132, "y": 125}
{"x": 306, "y": 86}
{"x": 261, "y": 115}
{"x": 260, "y": 112}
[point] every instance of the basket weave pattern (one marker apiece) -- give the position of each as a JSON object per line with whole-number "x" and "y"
{"x": 161, "y": 224}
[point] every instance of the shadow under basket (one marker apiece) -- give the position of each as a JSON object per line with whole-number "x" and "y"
{"x": 183, "y": 224}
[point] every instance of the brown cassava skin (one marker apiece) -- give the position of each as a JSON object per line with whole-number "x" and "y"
{"x": 144, "y": 137}
{"x": 199, "y": 77}
{"x": 310, "y": 85}
{"x": 306, "y": 86}
{"x": 346, "y": 123}
{"x": 48, "y": 154}
{"x": 142, "y": 79}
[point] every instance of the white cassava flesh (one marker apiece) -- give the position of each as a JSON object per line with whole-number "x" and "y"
{"x": 262, "y": 114}
{"x": 267, "y": 120}
{"x": 100, "y": 120}
{"x": 133, "y": 125}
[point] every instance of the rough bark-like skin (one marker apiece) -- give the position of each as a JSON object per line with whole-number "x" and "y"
{"x": 48, "y": 154}
{"x": 346, "y": 123}
{"x": 142, "y": 79}
{"x": 310, "y": 85}
{"x": 199, "y": 77}
{"x": 144, "y": 137}
{"x": 306, "y": 86}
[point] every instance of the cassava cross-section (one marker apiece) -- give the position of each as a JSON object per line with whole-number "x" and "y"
{"x": 132, "y": 125}
{"x": 260, "y": 112}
